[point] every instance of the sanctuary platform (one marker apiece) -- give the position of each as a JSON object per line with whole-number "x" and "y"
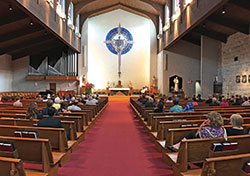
{"x": 119, "y": 98}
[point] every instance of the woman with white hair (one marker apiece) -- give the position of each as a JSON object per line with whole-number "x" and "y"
{"x": 237, "y": 129}
{"x": 57, "y": 104}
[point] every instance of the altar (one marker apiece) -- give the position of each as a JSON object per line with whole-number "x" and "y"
{"x": 113, "y": 91}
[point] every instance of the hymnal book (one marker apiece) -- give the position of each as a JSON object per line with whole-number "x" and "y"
{"x": 216, "y": 147}
{"x": 30, "y": 134}
{"x": 230, "y": 146}
{"x": 8, "y": 147}
{"x": 18, "y": 133}
{"x": 246, "y": 167}
{"x": 179, "y": 120}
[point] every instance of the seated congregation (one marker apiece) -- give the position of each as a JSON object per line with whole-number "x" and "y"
{"x": 196, "y": 136}
{"x": 49, "y": 127}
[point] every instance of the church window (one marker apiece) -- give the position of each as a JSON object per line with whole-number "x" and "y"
{"x": 51, "y": 3}
{"x": 176, "y": 9}
{"x": 60, "y": 9}
{"x": 167, "y": 18}
{"x": 71, "y": 16}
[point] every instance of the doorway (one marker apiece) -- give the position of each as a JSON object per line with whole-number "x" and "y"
{"x": 52, "y": 87}
{"x": 197, "y": 87}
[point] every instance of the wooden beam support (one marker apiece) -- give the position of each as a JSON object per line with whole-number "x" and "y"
{"x": 12, "y": 18}
{"x": 212, "y": 34}
{"x": 235, "y": 25}
{"x": 189, "y": 38}
{"x": 21, "y": 33}
{"x": 36, "y": 50}
{"x": 245, "y": 4}
{"x": 27, "y": 44}
{"x": 79, "y": 6}
{"x": 156, "y": 6}
{"x": 153, "y": 17}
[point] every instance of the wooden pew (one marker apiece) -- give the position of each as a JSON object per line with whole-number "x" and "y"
{"x": 177, "y": 134}
{"x": 76, "y": 119}
{"x": 197, "y": 150}
{"x": 56, "y": 136}
{"x": 14, "y": 167}
{"x": 164, "y": 126}
{"x": 36, "y": 151}
{"x": 226, "y": 165}
{"x": 69, "y": 126}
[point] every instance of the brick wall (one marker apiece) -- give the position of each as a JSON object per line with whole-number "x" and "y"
{"x": 238, "y": 45}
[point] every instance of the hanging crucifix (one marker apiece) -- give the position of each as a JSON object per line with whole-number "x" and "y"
{"x": 119, "y": 41}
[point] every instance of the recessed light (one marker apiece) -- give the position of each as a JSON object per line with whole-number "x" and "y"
{"x": 31, "y": 23}
{"x": 223, "y": 11}
{"x": 10, "y": 8}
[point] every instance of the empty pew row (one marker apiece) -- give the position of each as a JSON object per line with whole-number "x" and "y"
{"x": 42, "y": 155}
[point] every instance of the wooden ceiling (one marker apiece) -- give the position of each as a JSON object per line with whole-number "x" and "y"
{"x": 152, "y": 9}
{"x": 21, "y": 34}
{"x": 232, "y": 17}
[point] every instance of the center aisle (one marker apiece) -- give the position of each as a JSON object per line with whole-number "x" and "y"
{"x": 117, "y": 145}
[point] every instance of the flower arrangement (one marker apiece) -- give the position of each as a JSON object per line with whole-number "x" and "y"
{"x": 89, "y": 87}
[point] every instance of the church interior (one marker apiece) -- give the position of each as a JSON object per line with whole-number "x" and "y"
{"x": 124, "y": 87}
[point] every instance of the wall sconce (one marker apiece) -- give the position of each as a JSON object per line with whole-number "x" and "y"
{"x": 188, "y": 2}
{"x": 159, "y": 36}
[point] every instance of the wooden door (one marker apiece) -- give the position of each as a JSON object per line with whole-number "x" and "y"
{"x": 52, "y": 87}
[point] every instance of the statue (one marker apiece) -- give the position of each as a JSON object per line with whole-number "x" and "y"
{"x": 119, "y": 85}
{"x": 84, "y": 80}
{"x": 154, "y": 81}
{"x": 130, "y": 85}
{"x": 176, "y": 84}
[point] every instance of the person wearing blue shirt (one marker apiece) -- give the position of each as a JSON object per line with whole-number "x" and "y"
{"x": 45, "y": 110}
{"x": 189, "y": 107}
{"x": 176, "y": 107}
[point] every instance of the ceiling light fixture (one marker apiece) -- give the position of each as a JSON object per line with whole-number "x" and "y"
{"x": 31, "y": 23}
{"x": 10, "y": 8}
{"x": 223, "y": 11}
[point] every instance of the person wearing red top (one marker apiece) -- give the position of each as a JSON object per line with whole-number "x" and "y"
{"x": 224, "y": 102}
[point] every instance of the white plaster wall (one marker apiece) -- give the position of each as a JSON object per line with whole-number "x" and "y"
{"x": 210, "y": 57}
{"x": 103, "y": 65}
{"x": 5, "y": 73}
{"x": 153, "y": 52}
{"x": 238, "y": 45}
{"x": 83, "y": 56}
{"x": 161, "y": 73}
{"x": 184, "y": 61}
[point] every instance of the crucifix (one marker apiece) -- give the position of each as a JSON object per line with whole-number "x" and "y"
{"x": 119, "y": 42}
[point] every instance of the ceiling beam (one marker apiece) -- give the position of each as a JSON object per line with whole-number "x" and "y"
{"x": 79, "y": 6}
{"x": 245, "y": 4}
{"x": 189, "y": 38}
{"x": 153, "y": 17}
{"x": 27, "y": 44}
{"x": 36, "y": 50}
{"x": 210, "y": 33}
{"x": 156, "y": 6}
{"x": 235, "y": 25}
{"x": 84, "y": 16}
{"x": 12, "y": 18}
{"x": 192, "y": 41}
{"x": 21, "y": 33}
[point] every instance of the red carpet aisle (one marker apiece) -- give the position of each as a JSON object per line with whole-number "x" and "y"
{"x": 116, "y": 146}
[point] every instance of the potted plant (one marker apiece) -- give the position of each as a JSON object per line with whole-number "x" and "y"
{"x": 88, "y": 88}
